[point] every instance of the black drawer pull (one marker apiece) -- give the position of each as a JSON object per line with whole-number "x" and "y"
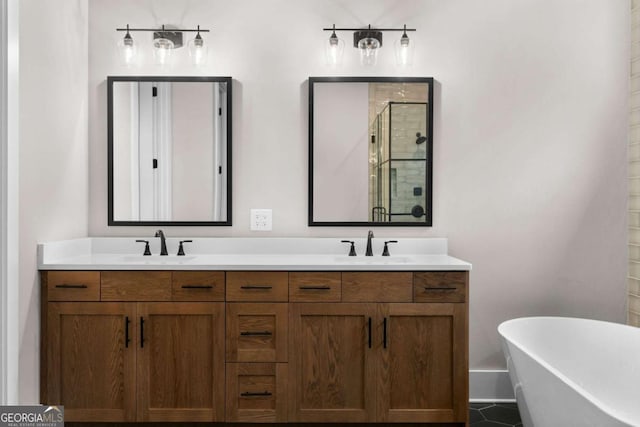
{"x": 258, "y": 287}
{"x": 67, "y": 286}
{"x": 141, "y": 332}
{"x": 256, "y": 334}
{"x": 440, "y": 289}
{"x": 197, "y": 286}
{"x": 384, "y": 336}
{"x": 369, "y": 332}
{"x": 315, "y": 288}
{"x": 127, "y": 340}
{"x": 253, "y": 394}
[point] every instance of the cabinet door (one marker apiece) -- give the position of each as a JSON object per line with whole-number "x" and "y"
{"x": 423, "y": 364}
{"x": 331, "y": 364}
{"x": 90, "y": 362}
{"x": 180, "y": 361}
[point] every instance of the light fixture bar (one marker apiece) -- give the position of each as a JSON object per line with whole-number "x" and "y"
{"x": 175, "y": 30}
{"x": 359, "y": 29}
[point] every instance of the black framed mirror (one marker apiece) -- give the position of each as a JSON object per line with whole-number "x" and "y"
{"x": 370, "y": 151}
{"x": 169, "y": 150}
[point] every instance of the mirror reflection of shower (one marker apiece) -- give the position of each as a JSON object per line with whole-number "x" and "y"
{"x": 397, "y": 163}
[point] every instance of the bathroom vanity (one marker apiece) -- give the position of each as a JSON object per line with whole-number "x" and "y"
{"x": 263, "y": 337}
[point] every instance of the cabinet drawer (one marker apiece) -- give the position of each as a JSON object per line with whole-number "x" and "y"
{"x": 197, "y": 286}
{"x": 256, "y": 392}
{"x": 135, "y": 286}
{"x": 377, "y": 287}
{"x": 315, "y": 287}
{"x": 73, "y": 285}
{"x": 446, "y": 286}
{"x": 257, "y": 286}
{"x": 256, "y": 332}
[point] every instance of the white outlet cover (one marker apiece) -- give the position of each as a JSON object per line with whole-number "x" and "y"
{"x": 261, "y": 219}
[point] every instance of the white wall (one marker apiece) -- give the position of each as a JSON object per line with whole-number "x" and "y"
{"x": 529, "y": 134}
{"x": 193, "y": 143}
{"x": 53, "y": 158}
{"x": 341, "y": 149}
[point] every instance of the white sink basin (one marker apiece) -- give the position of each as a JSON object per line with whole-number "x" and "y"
{"x": 374, "y": 260}
{"x": 156, "y": 259}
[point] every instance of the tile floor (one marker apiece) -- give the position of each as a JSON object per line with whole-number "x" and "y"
{"x": 494, "y": 415}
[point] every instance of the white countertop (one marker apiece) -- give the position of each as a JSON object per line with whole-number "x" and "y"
{"x": 207, "y": 253}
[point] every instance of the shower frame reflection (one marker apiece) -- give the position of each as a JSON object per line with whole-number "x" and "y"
{"x": 323, "y": 162}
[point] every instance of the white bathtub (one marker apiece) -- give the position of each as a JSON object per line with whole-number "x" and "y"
{"x": 573, "y": 372}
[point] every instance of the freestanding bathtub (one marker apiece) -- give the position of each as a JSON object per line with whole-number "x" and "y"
{"x": 573, "y": 372}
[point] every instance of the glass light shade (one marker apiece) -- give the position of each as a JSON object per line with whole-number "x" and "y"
{"x": 198, "y": 50}
{"x": 368, "y": 51}
{"x": 127, "y": 49}
{"x": 404, "y": 51}
{"x": 334, "y": 50}
{"x": 162, "y": 50}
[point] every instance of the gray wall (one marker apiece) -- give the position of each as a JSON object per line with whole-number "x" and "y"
{"x": 53, "y": 153}
{"x": 530, "y": 134}
{"x": 530, "y": 137}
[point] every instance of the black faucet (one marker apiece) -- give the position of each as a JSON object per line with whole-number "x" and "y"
{"x": 163, "y": 243}
{"x": 369, "y": 251}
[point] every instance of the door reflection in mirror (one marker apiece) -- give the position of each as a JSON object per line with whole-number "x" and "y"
{"x": 169, "y": 151}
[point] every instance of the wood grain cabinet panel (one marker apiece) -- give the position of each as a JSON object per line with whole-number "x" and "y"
{"x": 257, "y": 332}
{"x": 325, "y": 286}
{"x": 181, "y": 362}
{"x": 135, "y": 286}
{"x": 256, "y": 392}
{"x": 440, "y": 286}
{"x": 91, "y": 360}
{"x": 258, "y": 286}
{"x": 72, "y": 285}
{"x": 422, "y": 371}
{"x": 331, "y": 366}
{"x": 197, "y": 286}
{"x": 377, "y": 287}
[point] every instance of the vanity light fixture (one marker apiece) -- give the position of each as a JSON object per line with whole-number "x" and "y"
{"x": 404, "y": 49}
{"x": 335, "y": 47}
{"x": 197, "y": 49}
{"x": 127, "y": 48}
{"x": 165, "y": 40}
{"x": 369, "y": 41}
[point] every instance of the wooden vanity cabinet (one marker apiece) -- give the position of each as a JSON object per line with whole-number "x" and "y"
{"x": 180, "y": 361}
{"x": 332, "y": 363}
{"x": 132, "y": 361}
{"x": 88, "y": 364}
{"x": 256, "y": 347}
{"x": 376, "y": 361}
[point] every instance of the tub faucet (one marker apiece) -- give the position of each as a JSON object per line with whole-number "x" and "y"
{"x": 369, "y": 251}
{"x": 163, "y": 243}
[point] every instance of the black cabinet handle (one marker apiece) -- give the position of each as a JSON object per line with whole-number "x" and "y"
{"x": 253, "y": 394}
{"x": 67, "y": 286}
{"x": 315, "y": 288}
{"x": 197, "y": 286}
{"x": 443, "y": 289}
{"x": 141, "y": 332}
{"x": 263, "y": 287}
{"x": 256, "y": 334}
{"x": 369, "y": 332}
{"x": 384, "y": 333}
{"x": 127, "y": 339}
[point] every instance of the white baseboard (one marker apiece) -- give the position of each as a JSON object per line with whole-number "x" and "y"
{"x": 490, "y": 386}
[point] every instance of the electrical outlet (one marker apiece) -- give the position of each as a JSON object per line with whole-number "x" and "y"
{"x": 261, "y": 219}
